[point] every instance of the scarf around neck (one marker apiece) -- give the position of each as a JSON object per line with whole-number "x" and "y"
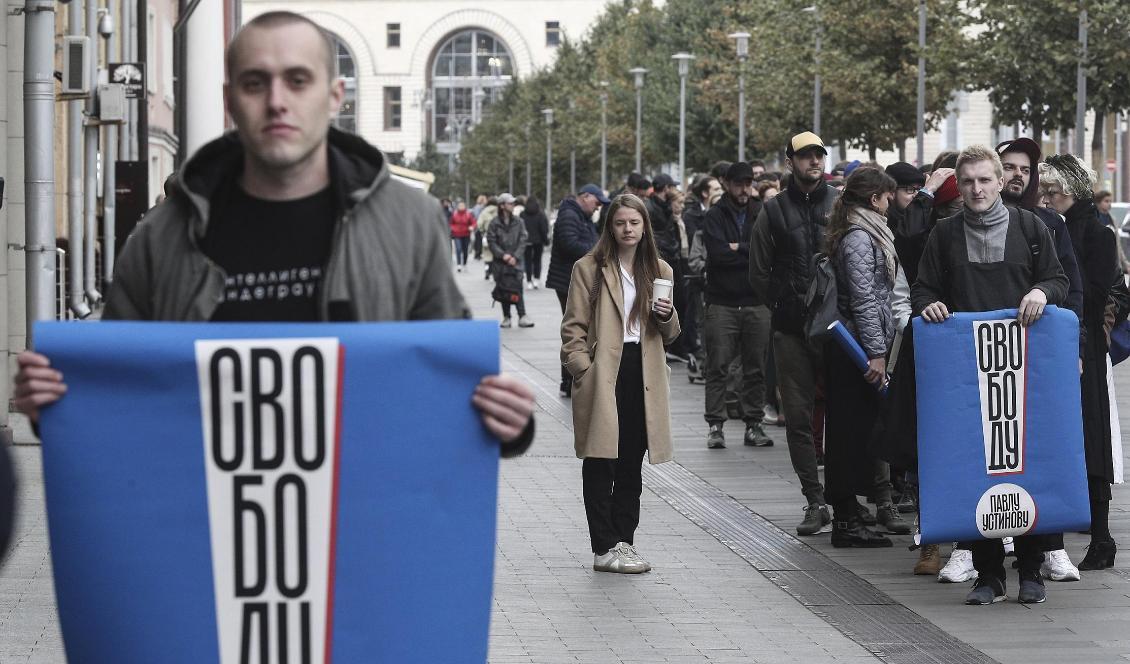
{"x": 875, "y": 225}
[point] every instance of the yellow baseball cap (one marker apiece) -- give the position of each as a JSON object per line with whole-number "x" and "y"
{"x": 803, "y": 141}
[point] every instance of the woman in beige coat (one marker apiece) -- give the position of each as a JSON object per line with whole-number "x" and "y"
{"x": 612, "y": 339}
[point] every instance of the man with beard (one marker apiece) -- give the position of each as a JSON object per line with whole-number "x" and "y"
{"x": 736, "y": 321}
{"x": 788, "y": 232}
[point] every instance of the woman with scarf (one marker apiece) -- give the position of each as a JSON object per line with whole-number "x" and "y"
{"x": 862, "y": 249}
{"x": 1067, "y": 183}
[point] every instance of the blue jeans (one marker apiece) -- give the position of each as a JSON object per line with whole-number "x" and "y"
{"x": 461, "y": 245}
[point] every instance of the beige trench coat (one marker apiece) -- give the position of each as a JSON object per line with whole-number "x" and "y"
{"x": 590, "y": 350}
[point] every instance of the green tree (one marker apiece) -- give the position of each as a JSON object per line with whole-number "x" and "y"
{"x": 1036, "y": 85}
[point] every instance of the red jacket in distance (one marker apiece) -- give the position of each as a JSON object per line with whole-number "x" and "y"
{"x": 462, "y": 223}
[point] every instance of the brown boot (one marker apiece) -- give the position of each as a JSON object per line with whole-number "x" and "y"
{"x": 929, "y": 561}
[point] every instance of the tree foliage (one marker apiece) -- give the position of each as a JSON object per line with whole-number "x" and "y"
{"x": 868, "y": 65}
{"x": 1027, "y": 59}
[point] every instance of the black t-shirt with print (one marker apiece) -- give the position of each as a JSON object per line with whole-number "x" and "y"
{"x": 274, "y": 253}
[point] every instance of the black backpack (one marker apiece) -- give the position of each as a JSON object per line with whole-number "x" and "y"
{"x": 821, "y": 302}
{"x": 507, "y": 285}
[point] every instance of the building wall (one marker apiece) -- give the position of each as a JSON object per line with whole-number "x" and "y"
{"x": 424, "y": 26}
{"x": 163, "y": 142}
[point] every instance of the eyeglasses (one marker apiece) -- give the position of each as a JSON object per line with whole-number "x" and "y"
{"x": 909, "y": 190}
{"x": 1051, "y": 193}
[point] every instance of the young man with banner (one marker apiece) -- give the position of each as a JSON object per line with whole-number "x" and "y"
{"x": 988, "y": 258}
{"x": 287, "y": 194}
{"x": 285, "y": 220}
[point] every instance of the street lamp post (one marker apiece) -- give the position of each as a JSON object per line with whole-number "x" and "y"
{"x": 921, "y": 128}
{"x": 510, "y": 166}
{"x": 816, "y": 81}
{"x": 638, "y": 73}
{"x": 548, "y": 113}
{"x": 742, "y": 40}
{"x": 1081, "y": 89}
{"x": 529, "y": 171}
{"x": 684, "y": 61}
{"x": 572, "y": 148}
{"x": 604, "y": 135}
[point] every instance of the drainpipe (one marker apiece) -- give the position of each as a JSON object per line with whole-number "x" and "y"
{"x": 90, "y": 188}
{"x": 39, "y": 166}
{"x": 75, "y": 301}
{"x": 109, "y": 183}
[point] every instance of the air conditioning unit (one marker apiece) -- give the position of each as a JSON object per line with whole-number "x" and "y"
{"x": 111, "y": 103}
{"x": 76, "y": 65}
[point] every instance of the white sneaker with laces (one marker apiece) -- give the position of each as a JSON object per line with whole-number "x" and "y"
{"x": 620, "y": 559}
{"x": 1009, "y": 547}
{"x": 1057, "y": 567}
{"x": 636, "y": 554}
{"x": 959, "y": 569}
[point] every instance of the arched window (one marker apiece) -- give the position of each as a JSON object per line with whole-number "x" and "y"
{"x": 468, "y": 74}
{"x": 347, "y": 117}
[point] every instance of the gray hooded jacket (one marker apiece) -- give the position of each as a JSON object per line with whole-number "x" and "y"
{"x": 389, "y": 260}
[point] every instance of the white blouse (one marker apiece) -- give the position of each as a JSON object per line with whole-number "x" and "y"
{"x": 628, "y": 284}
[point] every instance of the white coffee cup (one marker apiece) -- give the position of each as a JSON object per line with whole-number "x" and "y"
{"x": 661, "y": 290}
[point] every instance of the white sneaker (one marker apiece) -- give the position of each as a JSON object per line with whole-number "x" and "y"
{"x": 959, "y": 569}
{"x": 505, "y": 323}
{"x": 1057, "y": 567}
{"x": 537, "y": 284}
{"x": 637, "y": 556}
{"x": 620, "y": 559}
{"x": 1009, "y": 547}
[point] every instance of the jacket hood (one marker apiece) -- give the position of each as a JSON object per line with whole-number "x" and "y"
{"x": 356, "y": 170}
{"x": 1031, "y": 194}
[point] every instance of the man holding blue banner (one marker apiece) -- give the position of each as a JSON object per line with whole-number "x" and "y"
{"x": 991, "y": 257}
{"x": 288, "y": 219}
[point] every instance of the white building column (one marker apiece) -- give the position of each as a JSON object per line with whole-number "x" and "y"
{"x": 204, "y": 75}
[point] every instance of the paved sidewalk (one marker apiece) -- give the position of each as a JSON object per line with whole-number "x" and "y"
{"x": 706, "y": 599}
{"x": 1083, "y": 620}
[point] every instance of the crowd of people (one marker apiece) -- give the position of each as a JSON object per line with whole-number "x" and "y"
{"x": 977, "y": 230}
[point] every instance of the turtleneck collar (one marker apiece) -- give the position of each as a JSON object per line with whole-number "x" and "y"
{"x": 997, "y": 214}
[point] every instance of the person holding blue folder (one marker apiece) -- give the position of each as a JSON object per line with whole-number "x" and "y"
{"x": 863, "y": 252}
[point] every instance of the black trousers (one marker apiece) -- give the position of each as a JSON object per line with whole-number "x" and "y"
{"x": 851, "y": 411}
{"x": 988, "y": 555}
{"x": 612, "y": 487}
{"x": 533, "y": 261}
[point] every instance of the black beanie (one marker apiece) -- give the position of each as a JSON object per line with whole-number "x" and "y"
{"x": 906, "y": 175}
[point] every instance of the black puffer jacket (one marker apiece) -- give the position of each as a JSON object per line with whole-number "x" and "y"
{"x": 789, "y": 231}
{"x": 574, "y": 235}
{"x": 664, "y": 227}
{"x": 863, "y": 289}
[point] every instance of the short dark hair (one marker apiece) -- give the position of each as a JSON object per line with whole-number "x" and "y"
{"x": 1102, "y": 196}
{"x": 718, "y": 170}
{"x": 757, "y": 162}
{"x": 701, "y": 185}
{"x": 275, "y": 19}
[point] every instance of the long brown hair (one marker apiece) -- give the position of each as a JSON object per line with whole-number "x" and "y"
{"x": 863, "y": 183}
{"x": 645, "y": 266}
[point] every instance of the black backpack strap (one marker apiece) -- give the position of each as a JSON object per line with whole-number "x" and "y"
{"x": 1027, "y": 222}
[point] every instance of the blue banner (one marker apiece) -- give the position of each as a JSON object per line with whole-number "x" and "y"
{"x": 1000, "y": 430}
{"x": 276, "y": 493}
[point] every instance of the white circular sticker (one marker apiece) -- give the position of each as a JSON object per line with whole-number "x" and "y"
{"x": 1005, "y": 510}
